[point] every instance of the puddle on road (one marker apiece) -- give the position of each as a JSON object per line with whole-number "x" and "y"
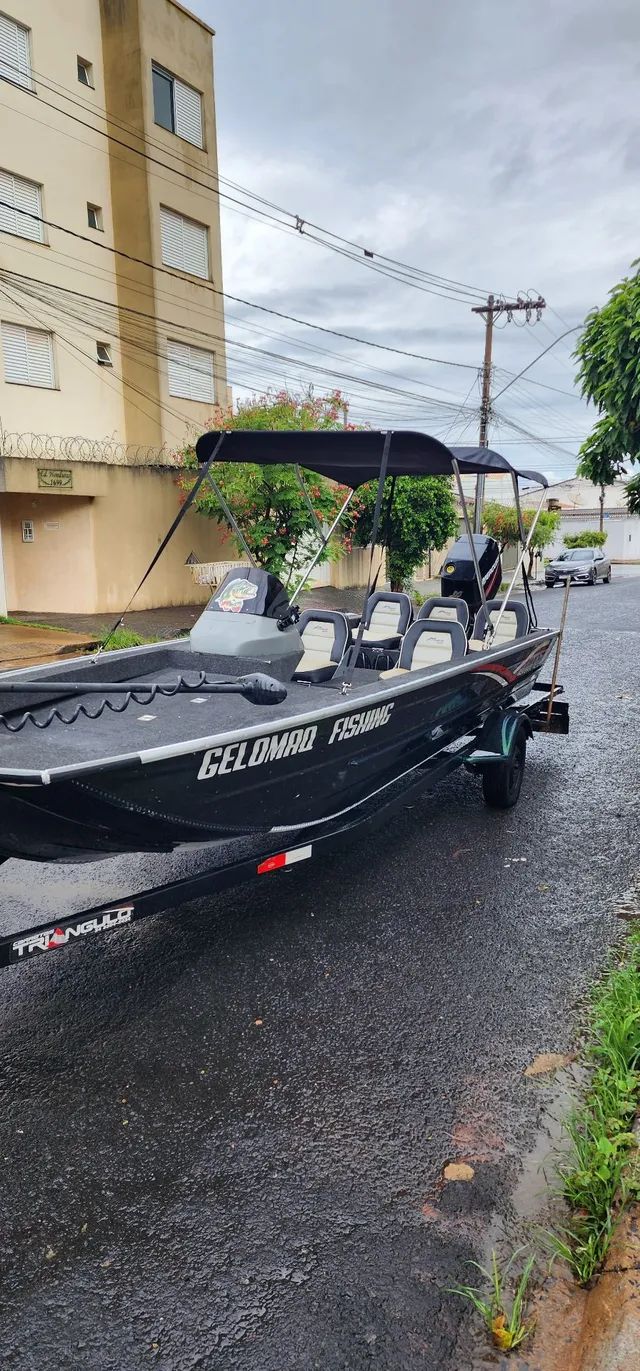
{"x": 532, "y": 1206}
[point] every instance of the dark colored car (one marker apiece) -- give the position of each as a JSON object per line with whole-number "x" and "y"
{"x": 578, "y": 564}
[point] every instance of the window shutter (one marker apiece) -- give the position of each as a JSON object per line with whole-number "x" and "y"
{"x": 18, "y": 194}
{"x": 188, "y": 107}
{"x": 28, "y": 356}
{"x": 190, "y": 372}
{"x": 15, "y": 62}
{"x": 196, "y": 253}
{"x": 184, "y": 243}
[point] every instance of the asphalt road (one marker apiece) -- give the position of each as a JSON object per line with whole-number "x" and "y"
{"x": 223, "y": 1130}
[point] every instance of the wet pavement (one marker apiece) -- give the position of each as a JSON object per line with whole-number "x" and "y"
{"x": 224, "y": 1130}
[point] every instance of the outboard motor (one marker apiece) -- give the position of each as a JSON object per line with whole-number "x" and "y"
{"x": 458, "y": 574}
{"x": 249, "y": 615}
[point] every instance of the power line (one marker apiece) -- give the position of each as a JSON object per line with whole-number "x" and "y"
{"x": 237, "y": 299}
{"x": 536, "y": 359}
{"x": 399, "y": 271}
{"x": 27, "y": 287}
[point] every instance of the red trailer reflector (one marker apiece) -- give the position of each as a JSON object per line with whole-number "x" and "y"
{"x": 296, "y": 854}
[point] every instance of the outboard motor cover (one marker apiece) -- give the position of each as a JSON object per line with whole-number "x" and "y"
{"x": 241, "y": 618}
{"x": 458, "y": 574}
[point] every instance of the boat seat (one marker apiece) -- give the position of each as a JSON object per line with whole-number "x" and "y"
{"x": 448, "y": 607}
{"x": 325, "y": 638}
{"x": 429, "y": 642}
{"x": 386, "y": 619}
{"x": 513, "y": 624}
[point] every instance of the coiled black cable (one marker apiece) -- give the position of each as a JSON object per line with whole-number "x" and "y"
{"x": 142, "y": 695}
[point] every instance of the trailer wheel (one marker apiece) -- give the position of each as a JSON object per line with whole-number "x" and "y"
{"x": 502, "y": 781}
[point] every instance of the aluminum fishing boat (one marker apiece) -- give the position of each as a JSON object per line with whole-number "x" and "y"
{"x": 270, "y": 724}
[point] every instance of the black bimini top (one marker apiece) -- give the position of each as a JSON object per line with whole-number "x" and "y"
{"x": 355, "y": 457}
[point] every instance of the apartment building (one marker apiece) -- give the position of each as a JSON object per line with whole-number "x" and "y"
{"x": 111, "y": 314}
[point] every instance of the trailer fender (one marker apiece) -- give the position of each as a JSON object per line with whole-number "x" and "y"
{"x": 497, "y": 738}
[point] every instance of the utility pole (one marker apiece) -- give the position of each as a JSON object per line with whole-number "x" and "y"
{"x": 490, "y": 311}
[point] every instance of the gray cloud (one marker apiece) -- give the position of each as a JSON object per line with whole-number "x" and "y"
{"x": 493, "y": 143}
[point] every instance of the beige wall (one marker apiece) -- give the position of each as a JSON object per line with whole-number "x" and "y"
{"x": 136, "y": 33}
{"x": 75, "y": 165}
{"x": 69, "y": 162}
{"x": 40, "y": 575}
{"x": 92, "y": 547}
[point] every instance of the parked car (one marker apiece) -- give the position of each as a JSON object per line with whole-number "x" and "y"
{"x": 578, "y": 564}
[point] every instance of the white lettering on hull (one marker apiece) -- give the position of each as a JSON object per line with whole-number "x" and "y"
{"x": 222, "y": 761}
{"x": 351, "y": 725}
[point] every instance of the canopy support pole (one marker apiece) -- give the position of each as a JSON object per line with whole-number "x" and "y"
{"x": 231, "y": 520}
{"x": 525, "y": 547}
{"x": 516, "y": 496}
{"x": 325, "y": 540}
{"x": 355, "y": 650}
{"x": 307, "y": 499}
{"x": 167, "y": 539}
{"x": 469, "y": 531}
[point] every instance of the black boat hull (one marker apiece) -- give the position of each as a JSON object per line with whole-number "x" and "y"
{"x": 286, "y": 776}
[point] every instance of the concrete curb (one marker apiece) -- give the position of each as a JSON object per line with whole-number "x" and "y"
{"x": 610, "y": 1332}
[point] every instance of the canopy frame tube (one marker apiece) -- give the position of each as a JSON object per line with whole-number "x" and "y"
{"x": 469, "y": 531}
{"x": 525, "y": 547}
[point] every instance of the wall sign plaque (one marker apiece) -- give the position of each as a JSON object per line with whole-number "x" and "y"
{"x": 55, "y": 478}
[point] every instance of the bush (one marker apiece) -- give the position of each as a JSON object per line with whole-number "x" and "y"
{"x": 585, "y": 539}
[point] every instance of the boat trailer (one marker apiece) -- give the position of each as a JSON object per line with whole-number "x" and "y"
{"x": 490, "y": 751}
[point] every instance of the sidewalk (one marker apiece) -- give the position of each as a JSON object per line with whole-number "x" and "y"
{"x": 32, "y": 646}
{"x": 173, "y": 620}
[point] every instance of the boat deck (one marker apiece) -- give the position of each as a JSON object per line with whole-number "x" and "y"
{"x": 166, "y": 721}
{"x": 183, "y": 721}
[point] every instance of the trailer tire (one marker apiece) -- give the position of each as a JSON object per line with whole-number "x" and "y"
{"x": 502, "y": 781}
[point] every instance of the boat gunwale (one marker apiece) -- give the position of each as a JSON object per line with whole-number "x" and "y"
{"x": 373, "y": 692}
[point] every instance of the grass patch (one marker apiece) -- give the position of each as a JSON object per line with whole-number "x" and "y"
{"x": 505, "y": 1319}
{"x": 125, "y": 637}
{"x": 33, "y": 623}
{"x": 599, "y": 1174}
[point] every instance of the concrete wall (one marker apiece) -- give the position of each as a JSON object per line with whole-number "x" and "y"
{"x": 92, "y": 546}
{"x": 622, "y": 530}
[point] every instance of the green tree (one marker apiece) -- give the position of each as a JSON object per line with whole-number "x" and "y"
{"x": 501, "y": 522}
{"x": 633, "y": 495}
{"x": 608, "y": 356}
{"x": 585, "y": 539}
{"x": 271, "y": 509}
{"x": 422, "y": 517}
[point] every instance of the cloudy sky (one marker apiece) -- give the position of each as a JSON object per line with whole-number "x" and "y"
{"x": 491, "y": 142}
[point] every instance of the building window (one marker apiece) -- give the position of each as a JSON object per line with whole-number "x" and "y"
{"x": 27, "y": 531}
{"x": 176, "y": 106}
{"x": 94, "y": 217}
{"x": 103, "y": 355}
{"x": 21, "y": 207}
{"x": 85, "y": 73}
{"x": 184, "y": 243}
{"x": 28, "y": 356}
{"x": 191, "y": 374}
{"x": 15, "y": 55}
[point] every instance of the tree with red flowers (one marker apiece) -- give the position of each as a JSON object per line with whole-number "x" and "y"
{"x": 268, "y": 503}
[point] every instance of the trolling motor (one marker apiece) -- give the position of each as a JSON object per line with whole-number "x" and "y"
{"x": 458, "y": 574}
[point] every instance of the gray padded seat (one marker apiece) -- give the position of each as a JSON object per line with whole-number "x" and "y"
{"x": 445, "y": 607}
{"x": 387, "y": 618}
{"x": 429, "y": 642}
{"x": 513, "y": 624}
{"x": 325, "y": 638}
